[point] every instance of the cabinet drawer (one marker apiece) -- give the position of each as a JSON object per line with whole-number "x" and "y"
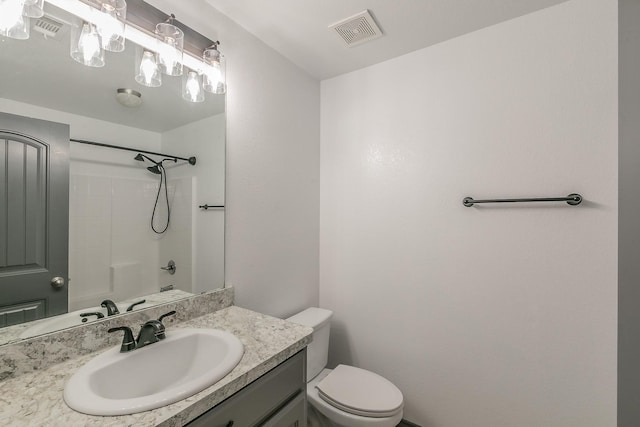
{"x": 294, "y": 414}
{"x": 260, "y": 399}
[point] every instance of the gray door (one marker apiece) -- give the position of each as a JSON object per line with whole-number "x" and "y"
{"x": 34, "y": 211}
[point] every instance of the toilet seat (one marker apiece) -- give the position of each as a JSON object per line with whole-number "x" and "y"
{"x": 360, "y": 392}
{"x": 344, "y": 418}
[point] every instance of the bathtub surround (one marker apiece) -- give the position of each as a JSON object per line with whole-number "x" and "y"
{"x": 506, "y": 315}
{"x": 40, "y": 353}
{"x": 113, "y": 253}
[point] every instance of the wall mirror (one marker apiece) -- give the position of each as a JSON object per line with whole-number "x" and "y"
{"x": 113, "y": 252}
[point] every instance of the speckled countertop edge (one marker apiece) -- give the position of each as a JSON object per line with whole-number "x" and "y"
{"x": 35, "y": 399}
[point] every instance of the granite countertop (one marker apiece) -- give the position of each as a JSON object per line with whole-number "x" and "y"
{"x": 35, "y": 398}
{"x": 17, "y": 332}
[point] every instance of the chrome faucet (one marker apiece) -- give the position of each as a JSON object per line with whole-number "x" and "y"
{"x": 111, "y": 307}
{"x": 151, "y": 332}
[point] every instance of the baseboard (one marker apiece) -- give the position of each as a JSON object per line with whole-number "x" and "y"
{"x": 405, "y": 423}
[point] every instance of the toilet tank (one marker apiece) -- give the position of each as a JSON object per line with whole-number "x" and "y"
{"x": 318, "y": 350}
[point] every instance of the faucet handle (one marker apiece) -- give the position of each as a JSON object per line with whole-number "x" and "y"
{"x": 171, "y": 313}
{"x": 84, "y": 316}
{"x": 159, "y": 326}
{"x": 128, "y": 342}
{"x": 130, "y": 308}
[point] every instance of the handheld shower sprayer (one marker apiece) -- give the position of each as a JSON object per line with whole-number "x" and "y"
{"x": 158, "y": 169}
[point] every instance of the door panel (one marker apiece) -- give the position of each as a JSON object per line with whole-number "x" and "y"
{"x": 21, "y": 313}
{"x": 34, "y": 211}
{"x": 25, "y": 175}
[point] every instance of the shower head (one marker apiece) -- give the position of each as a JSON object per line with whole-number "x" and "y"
{"x": 156, "y": 165}
{"x": 141, "y": 158}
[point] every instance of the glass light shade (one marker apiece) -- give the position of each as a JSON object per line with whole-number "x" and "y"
{"x": 170, "y": 48}
{"x": 110, "y": 22}
{"x": 214, "y": 72}
{"x": 192, "y": 86}
{"x": 147, "y": 71}
{"x": 12, "y": 22}
{"x": 33, "y": 8}
{"x": 85, "y": 44}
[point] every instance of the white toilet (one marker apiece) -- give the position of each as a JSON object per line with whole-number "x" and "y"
{"x": 345, "y": 396}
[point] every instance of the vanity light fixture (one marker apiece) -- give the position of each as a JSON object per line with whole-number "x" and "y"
{"x": 147, "y": 71}
{"x": 192, "y": 86}
{"x": 170, "y": 48}
{"x": 13, "y": 23}
{"x": 85, "y": 44}
{"x": 102, "y": 25}
{"x": 111, "y": 22}
{"x": 214, "y": 73}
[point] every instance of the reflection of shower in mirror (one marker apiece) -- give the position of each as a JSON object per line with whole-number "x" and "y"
{"x": 158, "y": 169}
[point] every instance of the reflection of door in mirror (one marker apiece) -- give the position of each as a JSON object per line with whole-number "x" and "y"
{"x": 34, "y": 209}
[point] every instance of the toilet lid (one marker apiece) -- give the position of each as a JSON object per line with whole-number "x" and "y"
{"x": 360, "y": 392}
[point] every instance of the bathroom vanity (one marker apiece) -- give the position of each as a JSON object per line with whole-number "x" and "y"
{"x": 277, "y": 399}
{"x": 266, "y": 388}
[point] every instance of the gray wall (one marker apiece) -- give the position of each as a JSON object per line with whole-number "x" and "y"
{"x": 629, "y": 215}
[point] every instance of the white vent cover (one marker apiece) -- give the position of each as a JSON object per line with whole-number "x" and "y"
{"x": 47, "y": 26}
{"x": 357, "y": 29}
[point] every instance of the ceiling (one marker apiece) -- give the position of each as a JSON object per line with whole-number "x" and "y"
{"x": 298, "y": 28}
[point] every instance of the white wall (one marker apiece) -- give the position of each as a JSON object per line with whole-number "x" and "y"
{"x": 492, "y": 315}
{"x": 204, "y": 139}
{"x": 272, "y": 194}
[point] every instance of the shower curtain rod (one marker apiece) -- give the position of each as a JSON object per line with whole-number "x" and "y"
{"x": 191, "y": 160}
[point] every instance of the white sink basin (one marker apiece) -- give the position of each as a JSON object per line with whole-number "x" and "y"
{"x": 186, "y": 362}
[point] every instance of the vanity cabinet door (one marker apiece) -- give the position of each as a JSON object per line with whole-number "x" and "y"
{"x": 266, "y": 401}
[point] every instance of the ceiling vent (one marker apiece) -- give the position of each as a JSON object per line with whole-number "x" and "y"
{"x": 47, "y": 26}
{"x": 357, "y": 29}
